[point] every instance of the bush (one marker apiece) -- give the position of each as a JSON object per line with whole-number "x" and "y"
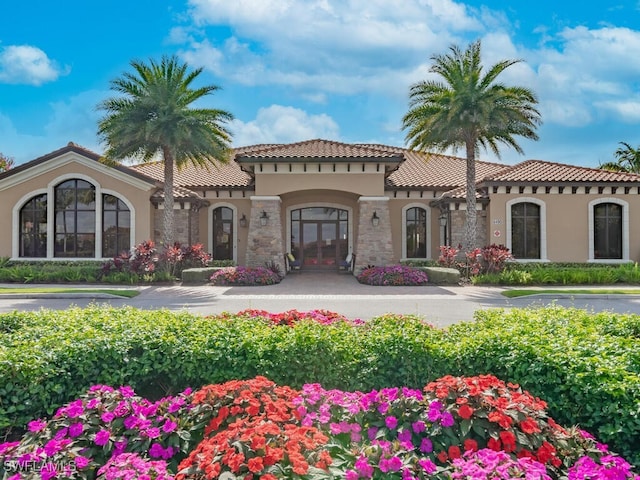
{"x": 455, "y": 427}
{"x": 395, "y": 275}
{"x": 586, "y": 366}
{"x": 250, "y": 276}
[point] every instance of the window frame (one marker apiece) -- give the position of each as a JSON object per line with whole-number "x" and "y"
{"x": 543, "y": 227}
{"x": 624, "y": 230}
{"x": 428, "y": 230}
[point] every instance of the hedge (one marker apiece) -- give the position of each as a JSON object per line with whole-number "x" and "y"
{"x": 586, "y": 366}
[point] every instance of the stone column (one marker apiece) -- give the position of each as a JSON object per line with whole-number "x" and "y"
{"x": 373, "y": 245}
{"x": 264, "y": 242}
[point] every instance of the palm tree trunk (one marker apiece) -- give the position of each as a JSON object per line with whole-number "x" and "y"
{"x": 167, "y": 224}
{"x": 471, "y": 217}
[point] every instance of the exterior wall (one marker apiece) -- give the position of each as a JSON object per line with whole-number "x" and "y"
{"x": 374, "y": 242}
{"x": 186, "y": 224}
{"x": 434, "y": 230}
{"x": 280, "y": 182}
{"x": 458, "y": 219}
{"x": 16, "y": 195}
{"x": 567, "y": 222}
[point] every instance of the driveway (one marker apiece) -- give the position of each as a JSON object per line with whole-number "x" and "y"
{"x": 440, "y": 305}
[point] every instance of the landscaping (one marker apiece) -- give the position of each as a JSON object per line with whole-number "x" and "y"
{"x": 571, "y": 368}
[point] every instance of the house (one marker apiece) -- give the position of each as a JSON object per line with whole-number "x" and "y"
{"x": 319, "y": 200}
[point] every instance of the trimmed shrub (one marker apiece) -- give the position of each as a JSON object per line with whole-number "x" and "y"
{"x": 249, "y": 276}
{"x": 393, "y": 275}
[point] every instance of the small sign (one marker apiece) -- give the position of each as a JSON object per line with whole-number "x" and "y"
{"x": 496, "y": 233}
{"x": 497, "y": 221}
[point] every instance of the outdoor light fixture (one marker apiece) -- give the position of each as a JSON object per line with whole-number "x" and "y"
{"x": 443, "y": 220}
{"x": 375, "y": 219}
{"x": 263, "y": 218}
{"x": 243, "y": 221}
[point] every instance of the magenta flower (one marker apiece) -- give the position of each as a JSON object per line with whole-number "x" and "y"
{"x": 75, "y": 429}
{"x": 102, "y": 437}
{"x": 152, "y": 432}
{"x": 418, "y": 426}
{"x": 426, "y": 446}
{"x": 169, "y": 426}
{"x": 351, "y": 475}
{"x": 391, "y": 422}
{"x": 447, "y": 419}
{"x": 107, "y": 417}
{"x": 75, "y": 409}
{"x": 81, "y": 462}
{"x": 37, "y": 425}
{"x": 392, "y": 464}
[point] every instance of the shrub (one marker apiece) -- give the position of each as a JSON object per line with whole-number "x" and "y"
{"x": 395, "y": 275}
{"x": 245, "y": 276}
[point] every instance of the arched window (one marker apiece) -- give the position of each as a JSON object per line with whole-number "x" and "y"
{"x": 416, "y": 232}
{"x": 525, "y": 230}
{"x": 116, "y": 226}
{"x": 223, "y": 233}
{"x": 607, "y": 231}
{"x": 33, "y": 227}
{"x": 75, "y": 219}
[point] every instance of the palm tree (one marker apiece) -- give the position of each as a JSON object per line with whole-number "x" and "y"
{"x": 469, "y": 109}
{"x": 627, "y": 160}
{"x": 153, "y": 115}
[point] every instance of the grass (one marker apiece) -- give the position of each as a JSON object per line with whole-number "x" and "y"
{"x": 582, "y": 291}
{"x": 30, "y": 290}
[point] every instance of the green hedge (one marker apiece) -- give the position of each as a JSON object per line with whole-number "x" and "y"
{"x": 586, "y": 366}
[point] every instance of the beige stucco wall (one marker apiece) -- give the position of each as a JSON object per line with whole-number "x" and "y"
{"x": 368, "y": 184}
{"x": 566, "y": 223}
{"x": 13, "y": 197}
{"x": 434, "y": 233}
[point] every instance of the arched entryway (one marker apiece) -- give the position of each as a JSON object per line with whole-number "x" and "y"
{"x": 319, "y": 236}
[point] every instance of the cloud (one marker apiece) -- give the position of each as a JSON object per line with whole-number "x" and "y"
{"x": 24, "y": 64}
{"x": 280, "y": 124}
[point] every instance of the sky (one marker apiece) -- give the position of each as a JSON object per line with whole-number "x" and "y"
{"x": 294, "y": 70}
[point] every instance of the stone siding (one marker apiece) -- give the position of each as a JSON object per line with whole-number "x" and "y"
{"x": 373, "y": 245}
{"x": 264, "y": 243}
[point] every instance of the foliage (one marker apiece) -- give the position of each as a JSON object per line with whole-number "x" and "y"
{"x": 145, "y": 263}
{"x": 464, "y": 107}
{"x": 586, "y": 366}
{"x": 627, "y": 160}
{"x": 562, "y": 274}
{"x": 245, "y": 276}
{"x": 153, "y": 114}
{"x": 49, "y": 272}
{"x": 454, "y": 428}
{"x": 6, "y": 162}
{"x": 489, "y": 259}
{"x": 275, "y": 268}
{"x": 393, "y": 275}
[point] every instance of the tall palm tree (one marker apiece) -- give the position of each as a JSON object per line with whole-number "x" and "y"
{"x": 469, "y": 109}
{"x": 627, "y": 160}
{"x": 154, "y": 115}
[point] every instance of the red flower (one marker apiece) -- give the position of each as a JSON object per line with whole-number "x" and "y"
{"x": 255, "y": 464}
{"x": 454, "y": 452}
{"x": 442, "y": 457}
{"x": 494, "y": 444}
{"x": 508, "y": 441}
{"x": 529, "y": 425}
{"x": 470, "y": 444}
{"x": 465, "y": 411}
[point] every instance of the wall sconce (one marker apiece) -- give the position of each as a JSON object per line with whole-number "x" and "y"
{"x": 263, "y": 218}
{"x": 443, "y": 220}
{"x": 375, "y": 219}
{"x": 243, "y": 221}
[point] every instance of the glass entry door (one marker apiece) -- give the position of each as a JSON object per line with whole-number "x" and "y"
{"x": 319, "y": 236}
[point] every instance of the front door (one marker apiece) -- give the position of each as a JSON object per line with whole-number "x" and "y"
{"x": 319, "y": 236}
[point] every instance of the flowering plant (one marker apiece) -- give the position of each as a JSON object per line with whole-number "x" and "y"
{"x": 104, "y": 423}
{"x": 396, "y": 275}
{"x": 291, "y": 317}
{"x": 254, "y": 430}
{"x": 131, "y": 466}
{"x": 245, "y": 276}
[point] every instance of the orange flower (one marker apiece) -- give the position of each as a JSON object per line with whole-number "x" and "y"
{"x": 255, "y": 464}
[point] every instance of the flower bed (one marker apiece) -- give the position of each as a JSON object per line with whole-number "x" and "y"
{"x": 456, "y": 427}
{"x": 248, "y": 276}
{"x": 393, "y": 275}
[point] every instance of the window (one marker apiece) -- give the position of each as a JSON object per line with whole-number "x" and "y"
{"x": 416, "y": 232}
{"x": 75, "y": 219}
{"x": 116, "y": 226}
{"x": 607, "y": 231}
{"x": 33, "y": 227}
{"x": 223, "y": 233}
{"x": 525, "y": 230}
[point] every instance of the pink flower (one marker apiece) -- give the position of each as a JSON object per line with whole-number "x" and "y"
{"x": 169, "y": 426}
{"x": 75, "y": 429}
{"x": 391, "y": 422}
{"x": 426, "y": 446}
{"x": 75, "y": 409}
{"x": 107, "y": 417}
{"x": 81, "y": 462}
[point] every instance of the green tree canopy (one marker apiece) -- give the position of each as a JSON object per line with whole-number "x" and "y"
{"x": 627, "y": 159}
{"x": 153, "y": 115}
{"x": 468, "y": 108}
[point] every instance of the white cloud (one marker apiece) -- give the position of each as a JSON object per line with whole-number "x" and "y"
{"x": 28, "y": 65}
{"x": 280, "y": 124}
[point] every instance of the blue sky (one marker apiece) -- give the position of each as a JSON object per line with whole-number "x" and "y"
{"x": 293, "y": 70}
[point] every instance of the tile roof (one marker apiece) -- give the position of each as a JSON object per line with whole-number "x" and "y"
{"x": 228, "y": 175}
{"x": 436, "y": 171}
{"x": 538, "y": 171}
{"x": 323, "y": 149}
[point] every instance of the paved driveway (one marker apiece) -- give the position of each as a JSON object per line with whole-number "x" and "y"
{"x": 341, "y": 293}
